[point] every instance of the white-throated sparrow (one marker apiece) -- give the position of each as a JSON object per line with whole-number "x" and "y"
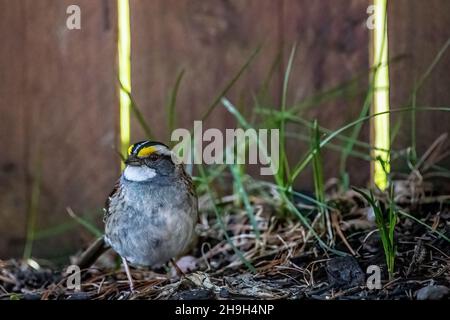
{"x": 151, "y": 213}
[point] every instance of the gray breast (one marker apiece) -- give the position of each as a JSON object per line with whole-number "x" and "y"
{"x": 151, "y": 222}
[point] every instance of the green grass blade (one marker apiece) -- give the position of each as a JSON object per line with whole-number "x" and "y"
{"x": 172, "y": 102}
{"x": 306, "y": 223}
{"x": 222, "y": 225}
{"x": 235, "y": 112}
{"x": 317, "y": 164}
{"x": 386, "y": 233}
{"x": 440, "y": 234}
{"x": 85, "y": 223}
{"x": 262, "y": 93}
{"x": 308, "y": 157}
{"x": 355, "y": 133}
{"x": 33, "y": 210}
{"x": 414, "y": 93}
{"x": 243, "y": 194}
{"x": 284, "y": 165}
{"x": 137, "y": 112}
{"x": 230, "y": 84}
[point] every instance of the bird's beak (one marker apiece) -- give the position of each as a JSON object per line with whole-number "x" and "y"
{"x": 133, "y": 161}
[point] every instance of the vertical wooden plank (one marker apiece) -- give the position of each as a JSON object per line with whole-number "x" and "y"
{"x": 332, "y": 48}
{"x": 67, "y": 89}
{"x": 12, "y": 128}
{"x": 211, "y": 40}
{"x": 417, "y": 31}
{"x": 78, "y": 102}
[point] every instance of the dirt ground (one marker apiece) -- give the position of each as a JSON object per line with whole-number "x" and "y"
{"x": 285, "y": 261}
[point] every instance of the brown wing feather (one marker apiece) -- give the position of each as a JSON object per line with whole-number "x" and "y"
{"x": 186, "y": 178}
{"x": 114, "y": 192}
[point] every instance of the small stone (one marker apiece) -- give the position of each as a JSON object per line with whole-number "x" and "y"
{"x": 194, "y": 294}
{"x": 224, "y": 293}
{"x": 344, "y": 272}
{"x": 432, "y": 292}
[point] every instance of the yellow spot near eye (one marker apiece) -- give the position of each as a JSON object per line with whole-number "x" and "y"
{"x": 146, "y": 151}
{"x": 130, "y": 149}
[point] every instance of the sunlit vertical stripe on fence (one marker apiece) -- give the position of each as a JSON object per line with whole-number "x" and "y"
{"x": 124, "y": 56}
{"x": 380, "y": 124}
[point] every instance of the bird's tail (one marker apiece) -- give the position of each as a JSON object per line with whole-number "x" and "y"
{"x": 91, "y": 254}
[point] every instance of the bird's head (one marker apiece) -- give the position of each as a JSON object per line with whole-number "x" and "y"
{"x": 147, "y": 159}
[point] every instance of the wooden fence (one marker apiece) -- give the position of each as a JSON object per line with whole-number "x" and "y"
{"x": 59, "y": 93}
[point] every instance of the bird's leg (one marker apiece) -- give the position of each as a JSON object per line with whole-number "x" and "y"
{"x": 179, "y": 271}
{"x": 127, "y": 270}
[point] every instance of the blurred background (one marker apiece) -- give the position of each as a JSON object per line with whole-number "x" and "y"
{"x": 59, "y": 93}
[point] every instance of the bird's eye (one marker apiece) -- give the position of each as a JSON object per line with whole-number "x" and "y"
{"x": 153, "y": 156}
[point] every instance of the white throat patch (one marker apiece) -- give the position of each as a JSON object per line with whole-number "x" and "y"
{"x": 138, "y": 173}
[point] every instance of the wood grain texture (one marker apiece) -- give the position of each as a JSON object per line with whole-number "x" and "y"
{"x": 331, "y": 49}
{"x": 63, "y": 97}
{"x": 210, "y": 40}
{"x": 417, "y": 31}
{"x": 12, "y": 130}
